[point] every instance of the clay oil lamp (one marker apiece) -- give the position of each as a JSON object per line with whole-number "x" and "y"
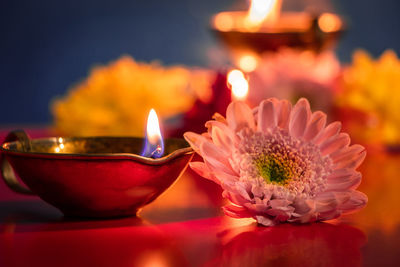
{"x": 95, "y": 176}
{"x": 264, "y": 28}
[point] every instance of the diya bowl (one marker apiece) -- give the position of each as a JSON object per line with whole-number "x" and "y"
{"x": 91, "y": 176}
{"x": 299, "y": 30}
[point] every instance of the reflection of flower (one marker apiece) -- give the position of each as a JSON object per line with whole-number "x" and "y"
{"x": 318, "y": 244}
{"x": 277, "y": 163}
{"x": 115, "y": 99}
{"x": 372, "y": 87}
{"x": 292, "y": 74}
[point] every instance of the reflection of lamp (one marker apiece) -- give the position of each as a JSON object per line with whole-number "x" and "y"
{"x": 113, "y": 245}
{"x": 263, "y": 28}
{"x": 317, "y": 244}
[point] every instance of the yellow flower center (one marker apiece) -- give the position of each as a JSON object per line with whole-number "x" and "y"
{"x": 277, "y": 170}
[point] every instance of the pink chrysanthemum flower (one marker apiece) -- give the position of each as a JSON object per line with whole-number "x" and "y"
{"x": 278, "y": 163}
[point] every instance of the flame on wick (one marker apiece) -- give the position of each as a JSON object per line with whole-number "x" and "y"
{"x": 238, "y": 84}
{"x": 262, "y": 10}
{"x": 153, "y": 127}
{"x": 154, "y": 146}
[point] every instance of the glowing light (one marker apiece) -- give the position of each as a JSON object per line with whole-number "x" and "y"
{"x": 153, "y": 127}
{"x": 60, "y": 146}
{"x": 328, "y": 22}
{"x": 234, "y": 75}
{"x": 238, "y": 84}
{"x": 154, "y": 146}
{"x": 152, "y": 259}
{"x": 261, "y": 11}
{"x": 248, "y": 63}
{"x": 224, "y": 22}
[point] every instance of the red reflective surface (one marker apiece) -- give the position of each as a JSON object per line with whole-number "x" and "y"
{"x": 184, "y": 227}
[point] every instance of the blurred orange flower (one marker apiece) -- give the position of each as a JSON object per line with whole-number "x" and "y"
{"x": 371, "y": 90}
{"x": 115, "y": 99}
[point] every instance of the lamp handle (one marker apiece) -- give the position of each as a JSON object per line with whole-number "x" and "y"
{"x": 6, "y": 169}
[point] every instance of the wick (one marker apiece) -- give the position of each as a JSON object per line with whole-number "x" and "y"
{"x": 156, "y": 151}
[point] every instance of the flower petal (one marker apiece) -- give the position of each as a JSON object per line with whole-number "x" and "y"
{"x": 303, "y": 206}
{"x": 299, "y": 118}
{"x": 264, "y": 221}
{"x": 344, "y": 183}
{"x": 201, "y": 169}
{"x": 340, "y": 174}
{"x": 234, "y": 197}
{"x": 194, "y": 140}
{"x": 222, "y": 140}
{"x": 239, "y": 116}
{"x": 330, "y": 130}
{"x": 328, "y": 201}
{"x": 235, "y": 211}
{"x": 222, "y": 136}
{"x": 340, "y": 197}
{"x": 307, "y": 218}
{"x": 329, "y": 215}
{"x": 215, "y": 158}
{"x": 267, "y": 115}
{"x": 242, "y": 191}
{"x": 218, "y": 117}
{"x": 335, "y": 143}
{"x": 346, "y": 153}
{"x": 284, "y": 114}
{"x": 225, "y": 179}
{"x": 356, "y": 202}
{"x": 256, "y": 208}
{"x": 255, "y": 112}
{"x": 352, "y": 161}
{"x": 315, "y": 125}
{"x": 258, "y": 191}
{"x": 279, "y": 203}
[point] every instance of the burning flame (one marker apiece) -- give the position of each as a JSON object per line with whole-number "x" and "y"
{"x": 239, "y": 85}
{"x": 263, "y": 10}
{"x": 154, "y": 146}
{"x": 153, "y": 127}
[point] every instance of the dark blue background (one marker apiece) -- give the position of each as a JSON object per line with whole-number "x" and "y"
{"x": 47, "y": 45}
